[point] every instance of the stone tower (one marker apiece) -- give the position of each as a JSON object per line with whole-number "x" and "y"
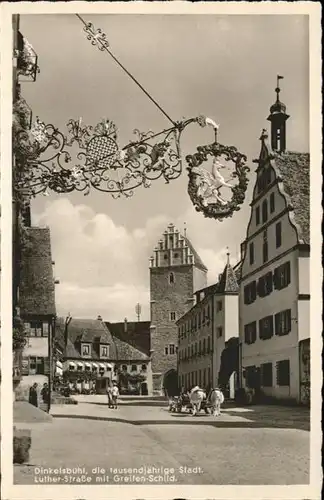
{"x": 176, "y": 272}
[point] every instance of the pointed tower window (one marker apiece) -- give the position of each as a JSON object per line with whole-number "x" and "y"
{"x": 272, "y": 202}
{"x": 264, "y": 211}
{"x": 257, "y": 216}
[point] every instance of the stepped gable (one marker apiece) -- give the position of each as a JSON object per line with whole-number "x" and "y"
{"x": 292, "y": 169}
{"x": 137, "y": 334}
{"x": 37, "y": 288}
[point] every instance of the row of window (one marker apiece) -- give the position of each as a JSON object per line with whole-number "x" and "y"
{"x": 37, "y": 328}
{"x": 279, "y": 324}
{"x": 198, "y": 349}
{"x": 279, "y": 279}
{"x": 199, "y": 377}
{"x": 200, "y": 318}
{"x": 265, "y": 246}
{"x": 264, "y": 376}
{"x": 170, "y": 349}
{"x": 35, "y": 365}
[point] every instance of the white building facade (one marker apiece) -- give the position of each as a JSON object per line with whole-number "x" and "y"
{"x": 274, "y": 287}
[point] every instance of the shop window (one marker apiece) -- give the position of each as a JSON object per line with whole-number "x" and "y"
{"x": 134, "y": 368}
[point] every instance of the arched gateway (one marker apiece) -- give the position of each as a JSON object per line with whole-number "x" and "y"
{"x": 170, "y": 383}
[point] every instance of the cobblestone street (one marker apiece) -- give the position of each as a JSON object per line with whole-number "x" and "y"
{"x": 200, "y": 450}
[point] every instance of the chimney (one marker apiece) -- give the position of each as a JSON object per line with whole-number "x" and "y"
{"x": 99, "y": 318}
{"x": 125, "y": 325}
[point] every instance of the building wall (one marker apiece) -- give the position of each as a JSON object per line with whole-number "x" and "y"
{"x": 277, "y": 347}
{"x": 195, "y": 369}
{"x": 166, "y": 298}
{"x": 227, "y": 320}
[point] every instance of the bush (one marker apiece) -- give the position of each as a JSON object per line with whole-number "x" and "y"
{"x": 21, "y": 445}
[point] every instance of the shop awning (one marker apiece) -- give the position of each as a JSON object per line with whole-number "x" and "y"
{"x": 94, "y": 365}
{"x": 72, "y": 364}
{"x": 109, "y": 366}
{"x": 59, "y": 364}
{"x": 88, "y": 365}
{"x": 80, "y": 364}
{"x": 102, "y": 366}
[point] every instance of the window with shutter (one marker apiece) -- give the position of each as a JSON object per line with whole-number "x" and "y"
{"x": 266, "y": 328}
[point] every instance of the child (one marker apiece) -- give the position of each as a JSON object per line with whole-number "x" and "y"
{"x": 114, "y": 395}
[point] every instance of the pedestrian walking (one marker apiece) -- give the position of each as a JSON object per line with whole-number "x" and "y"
{"x": 45, "y": 393}
{"x": 33, "y": 396}
{"x": 109, "y": 395}
{"x": 115, "y": 394}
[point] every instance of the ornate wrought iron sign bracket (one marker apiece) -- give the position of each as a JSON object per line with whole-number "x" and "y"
{"x": 43, "y": 159}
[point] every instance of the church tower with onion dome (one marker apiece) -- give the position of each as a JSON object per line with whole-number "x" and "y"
{"x": 176, "y": 272}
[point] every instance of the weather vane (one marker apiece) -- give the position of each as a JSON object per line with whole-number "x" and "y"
{"x": 44, "y": 156}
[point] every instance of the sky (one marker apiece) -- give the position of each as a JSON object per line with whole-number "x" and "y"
{"x": 224, "y": 67}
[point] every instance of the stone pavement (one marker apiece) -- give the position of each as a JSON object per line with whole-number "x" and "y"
{"x": 231, "y": 449}
{"x": 253, "y": 416}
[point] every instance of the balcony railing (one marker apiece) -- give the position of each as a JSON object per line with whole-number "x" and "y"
{"x": 27, "y": 60}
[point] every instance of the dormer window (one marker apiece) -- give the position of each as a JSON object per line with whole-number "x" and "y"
{"x": 85, "y": 350}
{"x": 104, "y": 351}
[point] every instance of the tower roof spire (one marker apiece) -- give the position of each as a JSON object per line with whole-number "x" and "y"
{"x": 278, "y": 118}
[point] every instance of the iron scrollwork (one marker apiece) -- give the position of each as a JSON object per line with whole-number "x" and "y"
{"x": 206, "y": 188}
{"x": 43, "y": 157}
